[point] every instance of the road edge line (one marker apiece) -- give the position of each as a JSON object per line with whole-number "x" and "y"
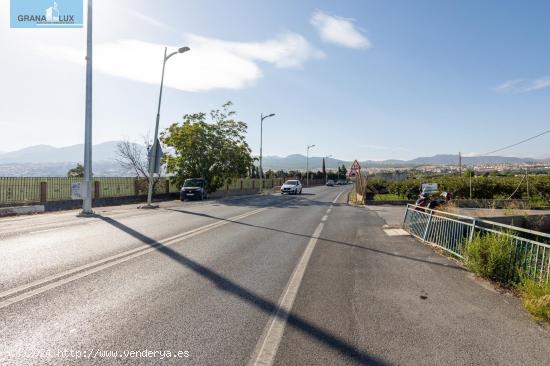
{"x": 268, "y": 344}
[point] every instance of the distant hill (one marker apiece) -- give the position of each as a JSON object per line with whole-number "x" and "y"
{"x": 298, "y": 162}
{"x": 45, "y": 160}
{"x": 453, "y": 160}
{"x": 105, "y": 151}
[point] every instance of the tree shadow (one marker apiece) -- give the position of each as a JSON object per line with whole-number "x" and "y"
{"x": 334, "y": 342}
{"x": 332, "y": 241}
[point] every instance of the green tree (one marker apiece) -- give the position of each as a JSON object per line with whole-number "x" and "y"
{"x": 77, "y": 171}
{"x": 210, "y": 146}
{"x": 342, "y": 170}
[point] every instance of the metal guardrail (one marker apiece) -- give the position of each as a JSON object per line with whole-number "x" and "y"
{"x": 451, "y": 232}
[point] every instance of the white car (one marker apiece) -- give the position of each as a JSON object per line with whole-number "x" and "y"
{"x": 292, "y": 187}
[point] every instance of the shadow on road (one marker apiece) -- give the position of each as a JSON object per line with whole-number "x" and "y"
{"x": 332, "y": 341}
{"x": 378, "y": 251}
{"x": 304, "y": 200}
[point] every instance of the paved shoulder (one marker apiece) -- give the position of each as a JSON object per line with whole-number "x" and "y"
{"x": 392, "y": 300}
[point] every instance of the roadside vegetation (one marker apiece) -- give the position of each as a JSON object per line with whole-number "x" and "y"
{"x": 490, "y": 256}
{"x": 211, "y": 146}
{"x": 536, "y": 299}
{"x": 483, "y": 187}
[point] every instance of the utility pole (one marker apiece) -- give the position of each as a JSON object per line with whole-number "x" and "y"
{"x": 527, "y": 180}
{"x": 262, "y": 117}
{"x": 470, "y": 172}
{"x": 87, "y": 191}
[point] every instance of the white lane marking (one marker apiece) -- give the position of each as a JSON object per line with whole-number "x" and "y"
{"x": 324, "y": 218}
{"x": 329, "y": 210}
{"x": 266, "y": 349}
{"x": 336, "y": 199}
{"x": 79, "y": 272}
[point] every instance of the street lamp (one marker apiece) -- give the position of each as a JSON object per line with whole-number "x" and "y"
{"x": 307, "y": 164}
{"x": 262, "y": 117}
{"x": 152, "y": 162}
{"x": 88, "y": 176}
{"x": 326, "y": 174}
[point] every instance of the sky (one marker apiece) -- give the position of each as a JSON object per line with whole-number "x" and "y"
{"x": 359, "y": 79}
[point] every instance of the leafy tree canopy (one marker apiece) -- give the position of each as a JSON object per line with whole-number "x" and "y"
{"x": 77, "y": 171}
{"x": 210, "y": 146}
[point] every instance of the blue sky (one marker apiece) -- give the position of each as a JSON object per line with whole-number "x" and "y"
{"x": 360, "y": 79}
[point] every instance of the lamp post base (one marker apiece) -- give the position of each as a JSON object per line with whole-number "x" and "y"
{"x": 86, "y": 213}
{"x": 148, "y": 207}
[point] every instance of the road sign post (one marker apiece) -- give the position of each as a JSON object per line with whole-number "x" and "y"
{"x": 355, "y": 171}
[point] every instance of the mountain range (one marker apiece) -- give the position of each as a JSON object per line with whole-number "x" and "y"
{"x": 45, "y": 160}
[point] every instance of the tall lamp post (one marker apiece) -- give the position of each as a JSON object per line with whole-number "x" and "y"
{"x": 326, "y": 173}
{"x": 152, "y": 162}
{"x": 87, "y": 191}
{"x": 307, "y": 164}
{"x": 262, "y": 117}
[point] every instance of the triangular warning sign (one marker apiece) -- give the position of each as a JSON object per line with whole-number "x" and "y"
{"x": 355, "y": 166}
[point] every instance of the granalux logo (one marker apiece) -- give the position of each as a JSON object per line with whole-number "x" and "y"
{"x": 46, "y": 13}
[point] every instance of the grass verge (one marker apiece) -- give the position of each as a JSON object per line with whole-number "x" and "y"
{"x": 389, "y": 197}
{"x": 536, "y": 299}
{"x": 352, "y": 197}
{"x": 489, "y": 256}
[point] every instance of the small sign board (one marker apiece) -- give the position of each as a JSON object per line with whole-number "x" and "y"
{"x": 76, "y": 191}
{"x": 429, "y": 187}
{"x": 155, "y": 166}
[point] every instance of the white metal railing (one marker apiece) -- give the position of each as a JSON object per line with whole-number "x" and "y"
{"x": 451, "y": 232}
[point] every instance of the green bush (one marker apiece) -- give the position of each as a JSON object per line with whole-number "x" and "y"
{"x": 536, "y": 299}
{"x": 377, "y": 186}
{"x": 488, "y": 255}
{"x": 483, "y": 187}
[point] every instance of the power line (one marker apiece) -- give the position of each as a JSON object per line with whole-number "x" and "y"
{"x": 517, "y": 143}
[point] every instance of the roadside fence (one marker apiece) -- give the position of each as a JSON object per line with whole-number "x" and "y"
{"x": 34, "y": 190}
{"x": 450, "y": 232}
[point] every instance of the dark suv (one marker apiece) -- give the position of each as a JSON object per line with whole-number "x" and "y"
{"x": 194, "y": 188}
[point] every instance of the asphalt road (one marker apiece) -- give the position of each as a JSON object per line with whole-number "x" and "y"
{"x": 263, "y": 280}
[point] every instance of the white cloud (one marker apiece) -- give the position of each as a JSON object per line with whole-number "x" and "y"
{"x": 523, "y": 85}
{"x": 338, "y": 30}
{"x": 538, "y": 84}
{"x": 211, "y": 63}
